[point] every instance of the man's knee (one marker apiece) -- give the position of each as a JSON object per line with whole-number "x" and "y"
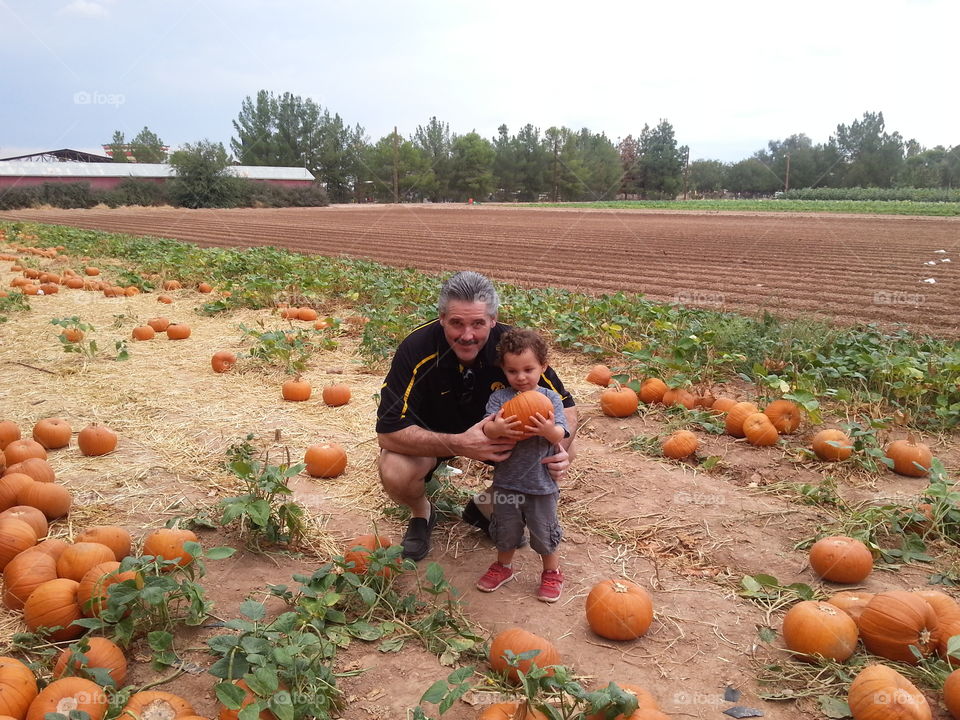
{"x": 401, "y": 471}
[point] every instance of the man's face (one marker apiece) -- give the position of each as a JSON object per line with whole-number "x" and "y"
{"x": 467, "y": 326}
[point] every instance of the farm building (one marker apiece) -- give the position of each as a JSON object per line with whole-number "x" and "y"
{"x": 21, "y": 172}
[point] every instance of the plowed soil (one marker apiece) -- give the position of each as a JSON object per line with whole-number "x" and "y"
{"x": 842, "y": 268}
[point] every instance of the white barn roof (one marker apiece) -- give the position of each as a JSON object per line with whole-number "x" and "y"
{"x": 80, "y": 170}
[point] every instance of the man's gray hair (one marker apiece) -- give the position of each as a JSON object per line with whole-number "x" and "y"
{"x": 469, "y": 286}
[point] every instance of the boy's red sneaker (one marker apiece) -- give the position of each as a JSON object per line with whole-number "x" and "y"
{"x": 551, "y": 585}
{"x": 495, "y": 576}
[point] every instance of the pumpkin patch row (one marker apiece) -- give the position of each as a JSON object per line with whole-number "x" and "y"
{"x": 745, "y": 420}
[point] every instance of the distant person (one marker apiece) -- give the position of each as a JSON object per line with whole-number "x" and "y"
{"x": 524, "y": 494}
{"x": 433, "y": 402}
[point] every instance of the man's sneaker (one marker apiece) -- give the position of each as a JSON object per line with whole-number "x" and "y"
{"x": 473, "y": 516}
{"x": 551, "y": 585}
{"x": 495, "y": 576}
{"x": 416, "y": 541}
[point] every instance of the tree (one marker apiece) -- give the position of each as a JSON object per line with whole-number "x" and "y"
{"x": 391, "y": 157}
{"x": 629, "y": 150}
{"x": 506, "y": 169}
{"x": 202, "y": 177}
{"x": 706, "y": 177}
{"x": 147, "y": 147}
{"x": 117, "y": 149}
{"x": 471, "y": 167}
{"x": 601, "y": 166}
{"x": 531, "y": 163}
{"x": 748, "y": 177}
{"x": 872, "y": 156}
{"x": 661, "y": 162}
{"x": 433, "y": 140}
{"x": 254, "y": 125}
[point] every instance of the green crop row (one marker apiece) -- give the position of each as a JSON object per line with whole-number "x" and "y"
{"x": 866, "y": 207}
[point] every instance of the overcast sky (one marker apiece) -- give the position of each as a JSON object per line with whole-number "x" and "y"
{"x": 729, "y": 76}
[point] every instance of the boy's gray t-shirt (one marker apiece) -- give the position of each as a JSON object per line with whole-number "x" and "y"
{"x": 523, "y": 471}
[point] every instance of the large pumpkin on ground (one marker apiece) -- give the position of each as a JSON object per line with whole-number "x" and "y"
{"x": 832, "y": 445}
{"x": 881, "y": 693}
{"x": 646, "y": 703}
{"x": 155, "y": 705}
{"x": 910, "y": 458}
{"x": 24, "y": 574}
{"x": 113, "y": 536}
{"x": 841, "y": 559}
{"x": 619, "y": 609}
{"x": 54, "y": 604}
{"x": 518, "y": 641}
{"x": 784, "y": 414}
{"x": 812, "y": 628}
{"x": 852, "y": 603}
{"x": 167, "y": 543}
{"x": 618, "y": 402}
{"x": 735, "y": 417}
{"x": 325, "y": 460}
{"x": 18, "y": 687}
{"x": 101, "y": 653}
{"x": 359, "y": 549}
{"x": 508, "y": 711}
{"x": 951, "y": 694}
{"x": 894, "y": 621}
{"x": 67, "y": 694}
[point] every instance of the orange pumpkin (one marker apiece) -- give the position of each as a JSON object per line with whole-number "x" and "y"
{"x": 646, "y": 704}
{"x": 852, "y": 603}
{"x": 525, "y": 405}
{"x": 841, "y": 559}
{"x": 39, "y": 470}
{"x": 336, "y": 395}
{"x": 518, "y": 641}
{"x": 91, "y": 271}
{"x": 681, "y": 444}
{"x": 652, "y": 390}
{"x": 15, "y": 537}
{"x": 722, "y": 405}
{"x": 95, "y": 440}
{"x": 223, "y": 361}
{"x": 178, "y": 331}
{"x": 812, "y": 628}
{"x": 359, "y": 549}
{"x": 296, "y": 390}
{"x": 325, "y": 460}
{"x": 832, "y": 444}
{"x": 24, "y": 574}
{"x": 759, "y": 430}
{"x": 159, "y": 324}
{"x": 679, "y": 396}
{"x": 951, "y": 694}
{"x": 167, "y": 543}
{"x": 53, "y": 547}
{"x": 618, "y": 402}
{"x": 20, "y": 450}
{"x": 172, "y": 285}
{"x": 945, "y": 607}
{"x": 619, "y": 610}
{"x": 18, "y": 688}
{"x": 113, "y": 536}
{"x": 599, "y": 375}
{"x": 165, "y": 299}
{"x": 785, "y": 415}
{"x": 910, "y": 458}
{"x": 248, "y": 698}
{"x": 94, "y": 590}
{"x": 205, "y": 288}
{"x": 9, "y": 431}
{"x": 54, "y": 604}
{"x": 143, "y": 332}
{"x": 52, "y": 433}
{"x": 51, "y": 499}
{"x": 306, "y": 314}
{"x": 508, "y": 711}
{"x": 10, "y": 485}
{"x": 68, "y": 694}
{"x": 736, "y": 415}
{"x": 881, "y": 693}
{"x": 31, "y": 516}
{"x": 72, "y": 335}
{"x": 77, "y": 559}
{"x": 893, "y": 621}
{"x": 100, "y": 653}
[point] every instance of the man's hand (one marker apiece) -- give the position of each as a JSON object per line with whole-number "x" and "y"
{"x": 473, "y": 443}
{"x": 557, "y": 464}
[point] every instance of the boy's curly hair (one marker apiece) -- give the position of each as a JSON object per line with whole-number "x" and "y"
{"x": 515, "y": 341}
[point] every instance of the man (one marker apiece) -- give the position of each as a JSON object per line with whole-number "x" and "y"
{"x": 433, "y": 400}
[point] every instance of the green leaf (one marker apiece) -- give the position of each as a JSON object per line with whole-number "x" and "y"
{"x": 435, "y": 692}
{"x": 230, "y": 695}
{"x": 221, "y": 668}
{"x": 767, "y": 635}
{"x": 219, "y": 553}
{"x": 834, "y": 707}
{"x": 252, "y": 609}
{"x": 263, "y": 681}
{"x": 281, "y": 706}
{"x": 434, "y": 573}
{"x": 364, "y": 630}
{"x": 368, "y": 595}
{"x": 394, "y": 644}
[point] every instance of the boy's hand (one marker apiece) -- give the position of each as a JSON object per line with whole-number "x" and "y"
{"x": 501, "y": 427}
{"x": 545, "y": 427}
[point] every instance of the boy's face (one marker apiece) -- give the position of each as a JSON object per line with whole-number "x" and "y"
{"x": 467, "y": 327}
{"x": 523, "y": 370}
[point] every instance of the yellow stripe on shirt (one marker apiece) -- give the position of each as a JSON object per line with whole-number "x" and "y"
{"x": 550, "y": 385}
{"x": 413, "y": 377}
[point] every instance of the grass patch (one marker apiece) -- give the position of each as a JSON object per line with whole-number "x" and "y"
{"x": 865, "y": 207}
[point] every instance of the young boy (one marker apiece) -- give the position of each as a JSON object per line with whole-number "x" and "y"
{"x": 524, "y": 495}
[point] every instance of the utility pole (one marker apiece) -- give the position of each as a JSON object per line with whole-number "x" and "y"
{"x": 786, "y": 180}
{"x": 396, "y": 165}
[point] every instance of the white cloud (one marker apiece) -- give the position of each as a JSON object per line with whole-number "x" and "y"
{"x": 86, "y": 8}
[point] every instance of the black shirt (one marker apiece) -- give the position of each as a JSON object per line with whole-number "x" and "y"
{"x": 428, "y": 387}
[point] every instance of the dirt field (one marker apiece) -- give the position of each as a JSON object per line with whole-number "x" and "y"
{"x": 845, "y": 268}
{"x": 686, "y": 534}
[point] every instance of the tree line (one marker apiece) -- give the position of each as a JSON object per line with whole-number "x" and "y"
{"x": 556, "y": 164}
